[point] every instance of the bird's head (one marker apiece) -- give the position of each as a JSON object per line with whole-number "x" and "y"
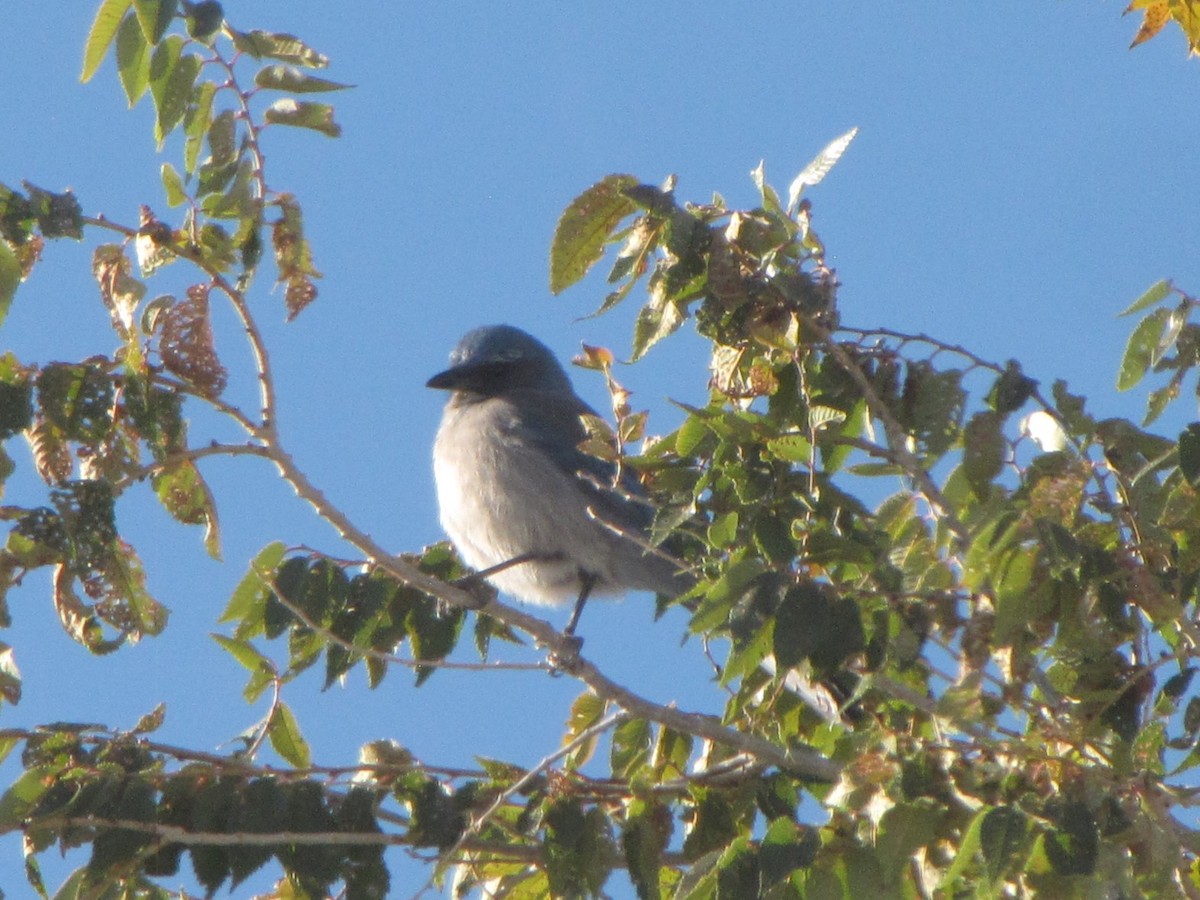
{"x": 495, "y": 359}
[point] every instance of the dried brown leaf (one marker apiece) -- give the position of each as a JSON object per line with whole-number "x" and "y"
{"x": 186, "y": 343}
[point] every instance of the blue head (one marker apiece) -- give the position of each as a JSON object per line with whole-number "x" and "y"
{"x": 495, "y": 359}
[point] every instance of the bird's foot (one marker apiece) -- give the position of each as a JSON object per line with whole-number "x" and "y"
{"x": 481, "y": 592}
{"x": 565, "y": 660}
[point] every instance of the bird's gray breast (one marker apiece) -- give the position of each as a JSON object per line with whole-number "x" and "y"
{"x": 502, "y": 497}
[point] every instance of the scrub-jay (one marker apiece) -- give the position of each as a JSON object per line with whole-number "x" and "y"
{"x": 542, "y": 520}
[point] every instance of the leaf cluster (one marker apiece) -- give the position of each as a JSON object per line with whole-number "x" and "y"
{"x": 954, "y": 612}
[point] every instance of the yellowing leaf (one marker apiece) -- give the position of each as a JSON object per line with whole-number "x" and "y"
{"x": 1154, "y": 17}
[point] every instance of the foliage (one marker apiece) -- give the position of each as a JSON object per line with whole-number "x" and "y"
{"x": 970, "y": 635}
{"x": 1157, "y": 13}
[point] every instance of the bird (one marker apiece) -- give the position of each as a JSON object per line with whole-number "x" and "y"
{"x": 541, "y": 520}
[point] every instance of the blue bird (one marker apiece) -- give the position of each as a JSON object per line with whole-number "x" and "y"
{"x": 542, "y": 520}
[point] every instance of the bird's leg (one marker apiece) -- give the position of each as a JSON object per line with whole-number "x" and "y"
{"x": 474, "y": 583}
{"x": 484, "y": 574}
{"x": 573, "y": 643}
{"x": 587, "y": 581}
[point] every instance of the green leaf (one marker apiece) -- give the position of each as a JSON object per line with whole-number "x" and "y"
{"x": 586, "y": 711}
{"x": 10, "y": 676}
{"x": 58, "y": 215}
{"x": 585, "y": 226}
{"x": 1073, "y": 847}
{"x": 1140, "y": 349}
{"x": 133, "y": 59}
{"x": 10, "y": 278}
{"x": 723, "y": 530}
{"x": 204, "y": 19}
{"x": 790, "y": 448}
{"x": 965, "y": 858}
{"x": 297, "y": 114}
{"x": 262, "y": 669}
{"x": 1189, "y": 454}
{"x": 631, "y": 745}
{"x": 139, "y": 613}
{"x": 576, "y": 848}
{"x": 19, "y": 799}
{"x": 983, "y": 451}
{"x": 104, "y": 29}
{"x": 196, "y": 123}
{"x": 655, "y": 321}
{"x": 1156, "y": 293}
{"x": 155, "y": 17}
{"x": 285, "y": 736}
{"x": 904, "y": 829}
{"x": 1001, "y": 836}
{"x": 238, "y": 200}
{"x": 770, "y": 199}
{"x": 151, "y": 721}
{"x": 738, "y": 870}
{"x": 644, "y": 837}
{"x": 262, "y": 810}
{"x": 173, "y": 185}
{"x": 785, "y": 848}
{"x": 1011, "y": 389}
{"x": 7, "y": 745}
{"x": 281, "y": 77}
{"x": 433, "y": 632}
{"x": 184, "y": 493}
{"x": 172, "y": 79}
{"x": 690, "y": 434}
{"x": 813, "y": 623}
{"x": 284, "y": 47}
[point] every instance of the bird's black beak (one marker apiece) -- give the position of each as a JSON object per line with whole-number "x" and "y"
{"x": 446, "y": 381}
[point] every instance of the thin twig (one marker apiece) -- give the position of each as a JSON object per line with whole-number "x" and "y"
{"x": 476, "y": 824}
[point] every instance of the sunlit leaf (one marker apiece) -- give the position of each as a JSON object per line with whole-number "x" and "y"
{"x": 133, "y": 59}
{"x": 302, "y": 114}
{"x": 1154, "y": 17}
{"x": 100, "y": 37}
{"x": 1140, "y": 349}
{"x": 285, "y": 737}
{"x": 184, "y": 493}
{"x": 173, "y": 186}
{"x": 151, "y": 721}
{"x": 10, "y": 278}
{"x": 284, "y": 47}
{"x": 10, "y": 675}
{"x": 155, "y": 17}
{"x": 585, "y": 227}
{"x": 1155, "y": 294}
{"x": 816, "y": 170}
{"x": 281, "y": 77}
{"x": 586, "y": 711}
{"x": 196, "y": 122}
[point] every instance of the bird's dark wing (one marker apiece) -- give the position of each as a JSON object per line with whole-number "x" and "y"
{"x": 550, "y": 421}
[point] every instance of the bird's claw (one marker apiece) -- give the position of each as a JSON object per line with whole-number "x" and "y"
{"x": 566, "y": 659}
{"x": 481, "y": 592}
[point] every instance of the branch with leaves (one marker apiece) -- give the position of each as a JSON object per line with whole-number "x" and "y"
{"x": 983, "y": 679}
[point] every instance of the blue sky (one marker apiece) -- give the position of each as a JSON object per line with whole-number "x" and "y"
{"x": 1019, "y": 178}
